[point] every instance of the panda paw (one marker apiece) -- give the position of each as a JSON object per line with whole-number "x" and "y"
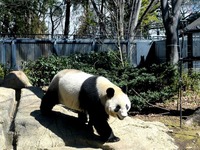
{"x": 113, "y": 139}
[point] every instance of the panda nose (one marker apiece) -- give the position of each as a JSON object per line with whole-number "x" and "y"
{"x": 122, "y": 115}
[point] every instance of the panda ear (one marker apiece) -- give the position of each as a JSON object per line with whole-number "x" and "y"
{"x": 110, "y": 92}
{"x": 124, "y": 88}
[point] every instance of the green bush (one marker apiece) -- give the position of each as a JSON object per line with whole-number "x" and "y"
{"x": 1, "y": 71}
{"x": 41, "y": 71}
{"x": 144, "y": 85}
{"x": 191, "y": 81}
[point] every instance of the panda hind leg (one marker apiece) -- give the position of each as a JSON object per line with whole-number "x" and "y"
{"x": 49, "y": 100}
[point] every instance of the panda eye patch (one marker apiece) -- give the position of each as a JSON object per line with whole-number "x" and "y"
{"x": 117, "y": 108}
{"x": 127, "y": 107}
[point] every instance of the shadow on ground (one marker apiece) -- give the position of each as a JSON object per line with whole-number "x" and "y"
{"x": 69, "y": 129}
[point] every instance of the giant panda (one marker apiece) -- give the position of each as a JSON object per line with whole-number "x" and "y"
{"x": 90, "y": 95}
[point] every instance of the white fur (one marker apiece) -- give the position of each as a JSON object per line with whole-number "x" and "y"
{"x": 69, "y": 84}
{"x": 122, "y": 100}
{"x": 69, "y": 88}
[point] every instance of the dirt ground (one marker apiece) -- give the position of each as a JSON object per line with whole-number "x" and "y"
{"x": 186, "y": 137}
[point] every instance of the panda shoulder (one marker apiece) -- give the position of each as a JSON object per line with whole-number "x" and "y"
{"x": 60, "y": 75}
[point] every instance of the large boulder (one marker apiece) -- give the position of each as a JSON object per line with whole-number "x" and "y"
{"x": 7, "y": 110}
{"x": 23, "y": 127}
{"x": 16, "y": 80}
{"x": 62, "y": 130}
{"x": 194, "y": 118}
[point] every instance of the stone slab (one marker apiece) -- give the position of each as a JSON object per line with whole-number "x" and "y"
{"x": 62, "y": 130}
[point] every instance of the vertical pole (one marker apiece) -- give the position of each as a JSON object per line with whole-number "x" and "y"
{"x": 13, "y": 56}
{"x": 55, "y": 49}
{"x": 180, "y": 91}
{"x": 3, "y": 53}
{"x": 128, "y": 50}
{"x": 93, "y": 45}
{"x": 190, "y": 53}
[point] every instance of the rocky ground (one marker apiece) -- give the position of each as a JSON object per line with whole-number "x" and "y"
{"x": 23, "y": 127}
{"x": 187, "y": 132}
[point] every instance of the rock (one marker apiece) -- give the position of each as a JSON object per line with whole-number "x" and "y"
{"x": 62, "y": 130}
{"x": 198, "y": 134}
{"x": 16, "y": 80}
{"x": 194, "y": 118}
{"x": 7, "y": 109}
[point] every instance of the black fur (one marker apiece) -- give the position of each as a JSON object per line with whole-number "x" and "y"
{"x": 49, "y": 100}
{"x": 90, "y": 102}
{"x": 110, "y": 92}
{"x": 124, "y": 89}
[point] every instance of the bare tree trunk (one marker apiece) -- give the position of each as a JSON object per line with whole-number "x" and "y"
{"x": 151, "y": 4}
{"x": 170, "y": 20}
{"x": 101, "y": 17}
{"x": 67, "y": 18}
{"x": 100, "y": 24}
{"x": 121, "y": 4}
{"x": 52, "y": 23}
{"x": 133, "y": 20}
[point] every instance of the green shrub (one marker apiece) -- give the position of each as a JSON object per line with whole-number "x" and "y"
{"x": 144, "y": 85}
{"x": 41, "y": 71}
{"x": 191, "y": 81}
{"x": 148, "y": 85}
{"x": 1, "y": 71}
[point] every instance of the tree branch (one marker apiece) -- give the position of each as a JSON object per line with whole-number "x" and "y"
{"x": 165, "y": 12}
{"x": 100, "y": 15}
{"x": 150, "y": 6}
{"x": 136, "y": 5}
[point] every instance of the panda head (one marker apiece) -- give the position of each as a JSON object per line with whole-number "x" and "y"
{"x": 117, "y": 103}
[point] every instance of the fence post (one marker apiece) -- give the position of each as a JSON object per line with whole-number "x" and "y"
{"x": 55, "y": 49}
{"x": 3, "y": 53}
{"x": 128, "y": 50}
{"x": 93, "y": 44}
{"x": 13, "y": 56}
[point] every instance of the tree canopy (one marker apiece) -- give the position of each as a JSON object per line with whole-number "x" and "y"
{"x": 23, "y": 17}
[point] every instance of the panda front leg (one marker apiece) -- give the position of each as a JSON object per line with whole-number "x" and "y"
{"x": 49, "y": 100}
{"x": 103, "y": 129}
{"x": 84, "y": 119}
